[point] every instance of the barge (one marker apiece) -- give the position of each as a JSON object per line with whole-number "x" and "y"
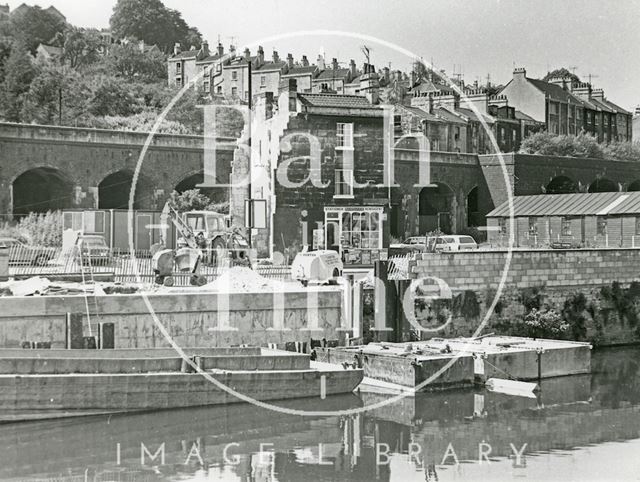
{"x": 463, "y": 361}
{"x": 42, "y": 384}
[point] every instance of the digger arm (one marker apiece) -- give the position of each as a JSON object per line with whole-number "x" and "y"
{"x": 184, "y": 230}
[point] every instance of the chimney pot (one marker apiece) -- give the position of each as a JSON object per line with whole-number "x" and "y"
{"x": 519, "y": 73}
{"x": 220, "y": 50}
{"x": 290, "y": 61}
{"x": 305, "y": 61}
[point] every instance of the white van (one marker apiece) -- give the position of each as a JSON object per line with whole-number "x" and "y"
{"x": 450, "y": 243}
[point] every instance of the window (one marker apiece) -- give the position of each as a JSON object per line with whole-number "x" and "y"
{"x": 502, "y": 225}
{"x": 219, "y": 89}
{"x": 565, "y": 226}
{"x": 533, "y": 226}
{"x": 263, "y": 81}
{"x": 207, "y": 70}
{"x": 601, "y": 226}
{"x": 178, "y": 68}
{"x": 219, "y": 68}
{"x": 637, "y": 225}
{"x": 344, "y": 182}
{"x": 207, "y": 86}
{"x": 234, "y": 75}
{"x": 178, "y": 82}
{"x": 234, "y": 92}
{"x": 359, "y": 228}
{"x": 344, "y": 134}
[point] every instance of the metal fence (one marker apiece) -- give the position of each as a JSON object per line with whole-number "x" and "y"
{"x": 398, "y": 267}
{"x": 27, "y": 261}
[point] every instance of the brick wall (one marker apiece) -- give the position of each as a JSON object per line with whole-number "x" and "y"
{"x": 556, "y": 276}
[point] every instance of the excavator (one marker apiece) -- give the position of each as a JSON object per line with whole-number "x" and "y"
{"x": 205, "y": 237}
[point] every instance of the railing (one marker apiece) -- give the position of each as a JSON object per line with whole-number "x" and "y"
{"x": 28, "y": 261}
{"x": 398, "y": 267}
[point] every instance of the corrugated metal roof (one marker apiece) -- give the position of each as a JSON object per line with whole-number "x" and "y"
{"x": 582, "y": 204}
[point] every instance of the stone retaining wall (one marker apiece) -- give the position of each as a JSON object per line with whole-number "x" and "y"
{"x": 191, "y": 319}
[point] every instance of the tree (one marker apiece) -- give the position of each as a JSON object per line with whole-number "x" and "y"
{"x": 544, "y": 143}
{"x": 190, "y": 200}
{"x": 6, "y": 43}
{"x": 114, "y": 97}
{"x": 151, "y": 21}
{"x": 130, "y": 62}
{"x": 79, "y": 47}
{"x": 36, "y": 26}
{"x": 561, "y": 73}
{"x": 56, "y": 96}
{"x": 20, "y": 72}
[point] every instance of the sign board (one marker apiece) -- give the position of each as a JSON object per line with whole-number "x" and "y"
{"x": 255, "y": 213}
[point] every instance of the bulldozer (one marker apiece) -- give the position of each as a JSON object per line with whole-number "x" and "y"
{"x": 205, "y": 237}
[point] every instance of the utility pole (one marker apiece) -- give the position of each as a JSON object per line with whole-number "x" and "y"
{"x": 250, "y": 105}
{"x": 60, "y": 105}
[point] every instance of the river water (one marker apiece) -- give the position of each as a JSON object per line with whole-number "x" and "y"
{"x": 578, "y": 428}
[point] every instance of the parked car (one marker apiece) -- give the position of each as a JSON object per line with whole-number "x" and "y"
{"x": 450, "y": 243}
{"x": 21, "y": 253}
{"x": 410, "y": 245}
{"x": 93, "y": 249}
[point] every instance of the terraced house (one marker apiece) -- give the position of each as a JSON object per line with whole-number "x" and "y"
{"x": 567, "y": 107}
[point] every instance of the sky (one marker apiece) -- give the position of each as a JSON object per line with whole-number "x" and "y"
{"x": 474, "y": 38}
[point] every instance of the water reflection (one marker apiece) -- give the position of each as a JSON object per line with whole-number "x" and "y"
{"x": 434, "y": 436}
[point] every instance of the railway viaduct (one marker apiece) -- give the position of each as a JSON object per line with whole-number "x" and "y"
{"x": 50, "y": 167}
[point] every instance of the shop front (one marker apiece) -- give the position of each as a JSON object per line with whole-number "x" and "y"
{"x": 356, "y": 232}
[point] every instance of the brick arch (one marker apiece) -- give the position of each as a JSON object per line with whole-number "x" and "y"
{"x": 561, "y": 184}
{"x": 437, "y": 208}
{"x": 114, "y": 190}
{"x": 191, "y": 179}
{"x": 40, "y": 189}
{"x": 603, "y": 184}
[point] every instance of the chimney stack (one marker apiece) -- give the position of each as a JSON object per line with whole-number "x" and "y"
{"x": 352, "y": 68}
{"x": 385, "y": 74}
{"x": 292, "y": 88}
{"x": 220, "y": 50}
{"x": 204, "y": 50}
{"x": 305, "y": 61}
{"x": 290, "y": 61}
{"x": 176, "y": 48}
{"x": 321, "y": 65}
{"x": 260, "y": 55}
{"x": 247, "y": 54}
{"x": 334, "y": 64}
{"x": 275, "y": 57}
{"x": 519, "y": 73}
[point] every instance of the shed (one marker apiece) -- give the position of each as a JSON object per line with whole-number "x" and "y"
{"x": 607, "y": 219}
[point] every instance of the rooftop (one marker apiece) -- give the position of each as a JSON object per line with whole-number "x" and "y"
{"x": 336, "y": 101}
{"x": 301, "y": 70}
{"x": 333, "y": 74}
{"x": 271, "y": 66}
{"x": 580, "y": 204}
{"x": 187, "y": 54}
